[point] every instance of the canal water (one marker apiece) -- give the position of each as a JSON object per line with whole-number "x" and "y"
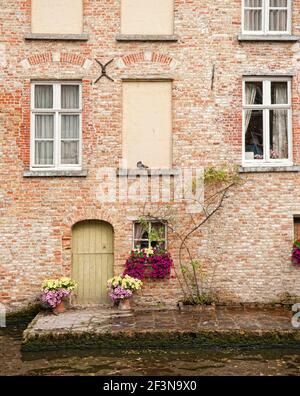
{"x": 196, "y": 362}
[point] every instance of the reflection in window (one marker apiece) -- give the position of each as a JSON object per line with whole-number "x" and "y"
{"x": 153, "y": 234}
{"x": 267, "y": 111}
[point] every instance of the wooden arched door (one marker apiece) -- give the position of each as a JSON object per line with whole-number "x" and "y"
{"x": 92, "y": 260}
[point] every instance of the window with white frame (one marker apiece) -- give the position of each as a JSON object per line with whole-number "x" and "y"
{"x": 267, "y": 120}
{"x": 267, "y": 16}
{"x": 56, "y": 125}
{"x": 152, "y": 234}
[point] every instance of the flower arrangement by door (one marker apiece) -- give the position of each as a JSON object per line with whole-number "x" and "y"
{"x": 56, "y": 291}
{"x": 121, "y": 289}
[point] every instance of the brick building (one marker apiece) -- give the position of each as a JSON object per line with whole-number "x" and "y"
{"x": 191, "y": 84}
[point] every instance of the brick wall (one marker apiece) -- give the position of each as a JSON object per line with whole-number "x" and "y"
{"x": 248, "y": 243}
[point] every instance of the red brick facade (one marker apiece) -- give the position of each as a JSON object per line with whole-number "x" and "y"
{"x": 249, "y": 241}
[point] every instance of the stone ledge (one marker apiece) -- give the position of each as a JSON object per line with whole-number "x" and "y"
{"x": 279, "y": 37}
{"x": 99, "y": 327}
{"x": 266, "y": 169}
{"x": 52, "y": 173}
{"x": 147, "y": 172}
{"x": 62, "y": 37}
{"x": 147, "y": 37}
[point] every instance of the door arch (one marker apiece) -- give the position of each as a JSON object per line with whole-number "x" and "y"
{"x": 92, "y": 260}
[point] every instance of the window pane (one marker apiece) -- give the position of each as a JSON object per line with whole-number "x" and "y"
{"x": 279, "y": 92}
{"x": 70, "y": 97}
{"x": 70, "y": 126}
{"x": 43, "y": 97}
{"x": 138, "y": 231}
{"x": 254, "y": 145}
{"x": 44, "y": 126}
{"x": 70, "y": 152}
{"x": 278, "y": 20}
{"x": 43, "y": 153}
{"x": 141, "y": 244}
{"x": 254, "y": 93}
{"x": 253, "y": 3}
{"x": 158, "y": 235}
{"x": 278, "y": 3}
{"x": 253, "y": 20}
{"x": 279, "y": 134}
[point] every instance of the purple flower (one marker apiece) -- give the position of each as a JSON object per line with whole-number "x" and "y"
{"x": 296, "y": 255}
{"x": 141, "y": 266}
{"x": 54, "y": 297}
{"x": 119, "y": 293}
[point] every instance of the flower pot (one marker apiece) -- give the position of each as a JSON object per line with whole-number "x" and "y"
{"x": 60, "y": 308}
{"x": 124, "y": 305}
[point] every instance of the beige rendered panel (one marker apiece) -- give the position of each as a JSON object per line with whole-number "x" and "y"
{"x": 57, "y": 16}
{"x": 147, "y": 123}
{"x": 147, "y": 17}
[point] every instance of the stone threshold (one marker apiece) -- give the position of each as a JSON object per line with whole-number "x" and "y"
{"x": 147, "y": 37}
{"x": 111, "y": 328}
{"x": 268, "y": 169}
{"x": 57, "y": 37}
{"x": 147, "y": 172}
{"x": 270, "y": 37}
{"x": 49, "y": 173}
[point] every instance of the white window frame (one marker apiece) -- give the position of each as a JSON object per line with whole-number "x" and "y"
{"x": 266, "y": 107}
{"x": 147, "y": 240}
{"x": 57, "y": 111}
{"x": 266, "y": 21}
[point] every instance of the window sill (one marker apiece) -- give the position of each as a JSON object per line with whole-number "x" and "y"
{"x": 56, "y": 173}
{"x": 147, "y": 37}
{"x": 61, "y": 37}
{"x": 267, "y": 169}
{"x": 147, "y": 172}
{"x": 269, "y": 37}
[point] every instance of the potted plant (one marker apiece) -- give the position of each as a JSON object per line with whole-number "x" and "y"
{"x": 149, "y": 263}
{"x": 121, "y": 289}
{"x": 56, "y": 291}
{"x": 296, "y": 252}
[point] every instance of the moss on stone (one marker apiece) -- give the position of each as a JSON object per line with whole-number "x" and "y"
{"x": 50, "y": 341}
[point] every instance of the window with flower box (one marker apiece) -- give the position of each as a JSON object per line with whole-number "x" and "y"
{"x": 267, "y": 17}
{"x": 267, "y": 122}
{"x": 152, "y": 234}
{"x": 56, "y": 125}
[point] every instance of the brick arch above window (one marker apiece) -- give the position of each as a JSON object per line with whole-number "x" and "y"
{"x": 56, "y": 57}
{"x": 145, "y": 56}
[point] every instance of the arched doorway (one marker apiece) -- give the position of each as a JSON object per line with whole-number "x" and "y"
{"x": 92, "y": 260}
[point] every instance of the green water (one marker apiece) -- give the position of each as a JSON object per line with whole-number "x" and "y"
{"x": 210, "y": 361}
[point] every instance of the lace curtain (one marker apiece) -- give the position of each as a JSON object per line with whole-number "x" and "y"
{"x": 253, "y": 15}
{"x": 44, "y": 125}
{"x": 279, "y": 122}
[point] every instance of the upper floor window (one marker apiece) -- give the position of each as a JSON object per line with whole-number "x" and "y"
{"x": 144, "y": 17}
{"x": 56, "y": 125}
{"x": 147, "y": 124}
{"x": 267, "y": 16}
{"x": 57, "y": 16}
{"x": 267, "y": 121}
